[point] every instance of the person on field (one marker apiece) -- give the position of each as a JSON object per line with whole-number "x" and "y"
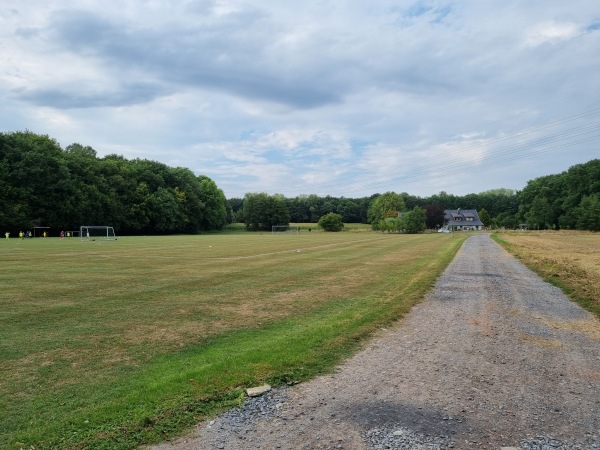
{"x": 7, "y": 234}
{"x": 62, "y": 235}
{"x": 44, "y": 234}
{"x": 20, "y": 235}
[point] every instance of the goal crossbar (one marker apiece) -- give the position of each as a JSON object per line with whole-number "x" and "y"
{"x": 97, "y": 232}
{"x": 285, "y": 229}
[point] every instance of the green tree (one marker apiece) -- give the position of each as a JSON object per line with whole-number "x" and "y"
{"x": 190, "y": 194}
{"x": 236, "y": 204}
{"x": 349, "y": 210}
{"x": 331, "y": 222}
{"x": 484, "y": 216}
{"x": 115, "y": 171}
{"x": 314, "y": 207}
{"x": 214, "y": 201}
{"x": 279, "y": 214}
{"x": 386, "y": 205}
{"x": 91, "y": 199}
{"x": 165, "y": 213}
{"x": 506, "y": 220}
{"x": 328, "y": 204}
{"x": 413, "y": 221}
{"x": 262, "y": 211}
{"x": 33, "y": 183}
{"x": 139, "y": 211}
{"x": 539, "y": 216}
{"x": 299, "y": 209}
{"x": 553, "y": 200}
{"x": 589, "y": 213}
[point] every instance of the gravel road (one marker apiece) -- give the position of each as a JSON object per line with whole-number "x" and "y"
{"x": 493, "y": 358}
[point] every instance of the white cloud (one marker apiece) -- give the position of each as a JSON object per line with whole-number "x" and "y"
{"x": 551, "y": 32}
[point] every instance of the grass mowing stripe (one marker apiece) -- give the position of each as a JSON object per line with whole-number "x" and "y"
{"x": 169, "y": 388}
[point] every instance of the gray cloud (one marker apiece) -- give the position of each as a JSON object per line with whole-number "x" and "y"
{"x": 211, "y": 56}
{"x": 343, "y": 95}
{"x": 71, "y": 97}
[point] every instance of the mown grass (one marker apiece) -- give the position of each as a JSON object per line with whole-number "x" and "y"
{"x": 567, "y": 259}
{"x": 115, "y": 344}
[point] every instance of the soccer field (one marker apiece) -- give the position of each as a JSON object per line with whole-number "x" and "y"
{"x": 113, "y": 344}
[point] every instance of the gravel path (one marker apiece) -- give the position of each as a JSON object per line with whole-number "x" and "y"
{"x": 494, "y": 358}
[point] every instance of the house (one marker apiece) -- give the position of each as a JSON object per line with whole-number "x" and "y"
{"x": 462, "y": 219}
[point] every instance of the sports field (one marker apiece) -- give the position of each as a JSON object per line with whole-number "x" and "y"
{"x": 113, "y": 344}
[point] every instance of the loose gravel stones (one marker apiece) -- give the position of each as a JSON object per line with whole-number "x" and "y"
{"x": 238, "y": 423}
{"x": 400, "y": 438}
{"x": 544, "y": 442}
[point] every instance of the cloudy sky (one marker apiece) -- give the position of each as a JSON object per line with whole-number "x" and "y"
{"x": 345, "y": 97}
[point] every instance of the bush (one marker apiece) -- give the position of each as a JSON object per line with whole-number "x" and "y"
{"x": 414, "y": 221}
{"x": 331, "y": 222}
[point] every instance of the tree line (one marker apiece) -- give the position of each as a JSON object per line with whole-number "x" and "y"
{"x": 259, "y": 211}
{"x": 42, "y": 184}
{"x": 569, "y": 200}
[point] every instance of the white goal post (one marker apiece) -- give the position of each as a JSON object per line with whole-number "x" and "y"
{"x": 285, "y": 229}
{"x": 97, "y": 233}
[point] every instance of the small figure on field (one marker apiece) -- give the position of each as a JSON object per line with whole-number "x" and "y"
{"x": 44, "y": 234}
{"x": 62, "y": 235}
{"x": 20, "y": 235}
{"x": 7, "y": 234}
{"x": 68, "y": 234}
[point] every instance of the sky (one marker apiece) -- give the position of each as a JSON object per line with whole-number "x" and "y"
{"x": 343, "y": 98}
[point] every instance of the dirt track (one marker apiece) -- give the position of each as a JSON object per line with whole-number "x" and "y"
{"x": 493, "y": 358}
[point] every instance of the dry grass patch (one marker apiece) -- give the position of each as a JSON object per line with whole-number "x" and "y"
{"x": 569, "y": 259}
{"x": 540, "y": 341}
{"x": 589, "y": 327}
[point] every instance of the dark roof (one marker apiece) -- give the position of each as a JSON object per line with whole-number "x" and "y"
{"x": 459, "y": 217}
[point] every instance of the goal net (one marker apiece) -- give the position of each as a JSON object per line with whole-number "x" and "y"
{"x": 97, "y": 233}
{"x": 285, "y": 229}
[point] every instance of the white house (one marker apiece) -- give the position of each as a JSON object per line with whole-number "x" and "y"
{"x": 462, "y": 219}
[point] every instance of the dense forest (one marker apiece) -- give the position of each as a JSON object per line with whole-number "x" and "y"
{"x": 569, "y": 200}
{"x": 42, "y": 184}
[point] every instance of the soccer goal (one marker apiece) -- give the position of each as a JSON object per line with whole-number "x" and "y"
{"x": 285, "y": 229}
{"x": 97, "y": 233}
{"x": 39, "y": 231}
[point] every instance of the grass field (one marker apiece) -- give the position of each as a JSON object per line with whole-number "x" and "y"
{"x": 114, "y": 344}
{"x": 568, "y": 259}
